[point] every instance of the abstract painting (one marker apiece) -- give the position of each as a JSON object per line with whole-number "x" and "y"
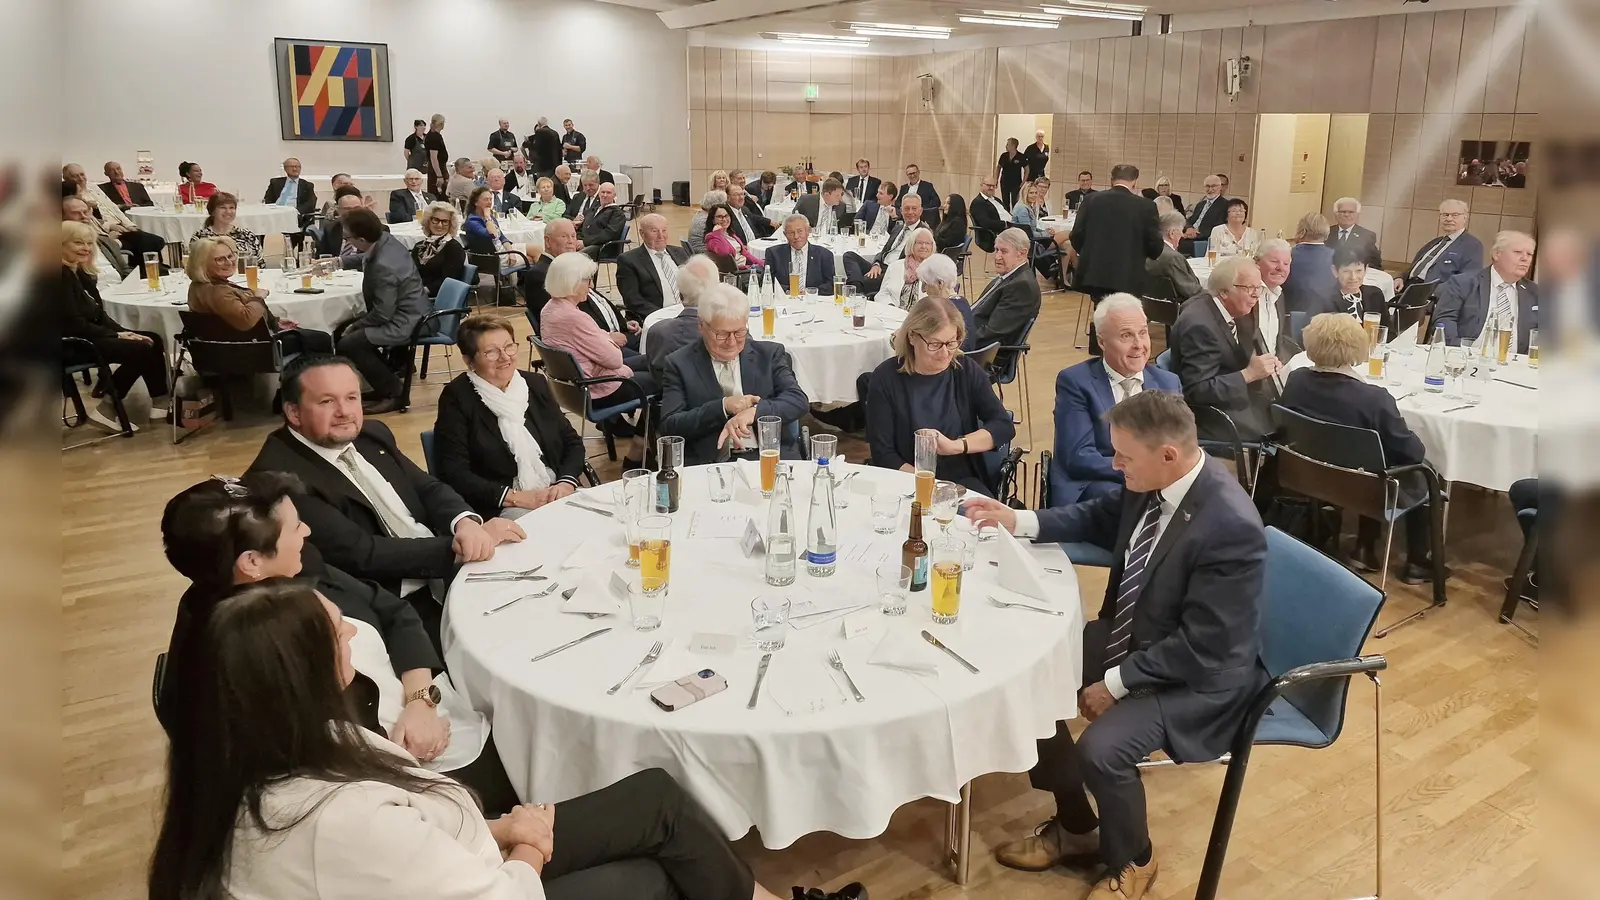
{"x": 333, "y": 90}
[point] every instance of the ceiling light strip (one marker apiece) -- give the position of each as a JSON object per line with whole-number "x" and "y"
{"x": 919, "y": 35}
{"x": 1014, "y": 23}
{"x": 1005, "y": 14}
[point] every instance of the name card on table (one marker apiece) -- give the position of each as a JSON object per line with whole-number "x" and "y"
{"x": 751, "y": 543}
{"x": 710, "y": 642}
{"x": 859, "y": 623}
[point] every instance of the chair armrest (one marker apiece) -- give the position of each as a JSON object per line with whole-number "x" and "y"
{"x": 1045, "y": 458}
{"x": 416, "y": 333}
{"x": 1339, "y": 668}
{"x": 507, "y": 254}
{"x": 603, "y": 379}
{"x": 1014, "y": 348}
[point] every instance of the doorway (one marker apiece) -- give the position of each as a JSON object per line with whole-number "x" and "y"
{"x": 1022, "y": 127}
{"x": 1305, "y": 162}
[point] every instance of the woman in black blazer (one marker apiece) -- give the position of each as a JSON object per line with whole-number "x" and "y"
{"x": 137, "y": 354}
{"x": 439, "y": 255}
{"x": 490, "y": 469}
{"x": 1163, "y": 188}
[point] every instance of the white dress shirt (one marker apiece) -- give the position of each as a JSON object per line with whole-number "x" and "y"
{"x": 1228, "y": 317}
{"x": 1005, "y": 214}
{"x": 743, "y": 223}
{"x": 797, "y": 263}
{"x": 607, "y": 311}
{"x": 1267, "y": 318}
{"x": 1171, "y": 498}
{"x": 669, "y": 284}
{"x": 1123, "y": 386}
{"x": 1495, "y": 282}
{"x": 727, "y": 374}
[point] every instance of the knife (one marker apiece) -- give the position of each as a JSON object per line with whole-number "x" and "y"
{"x": 592, "y": 509}
{"x": 761, "y": 675}
{"x": 953, "y": 655}
{"x": 572, "y": 643}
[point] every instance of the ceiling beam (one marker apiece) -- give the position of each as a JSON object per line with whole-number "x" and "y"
{"x": 718, "y": 12}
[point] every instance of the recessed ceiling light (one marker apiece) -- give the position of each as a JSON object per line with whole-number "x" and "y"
{"x": 1006, "y": 14}
{"x": 920, "y": 35}
{"x": 1120, "y": 13}
{"x": 1015, "y": 23}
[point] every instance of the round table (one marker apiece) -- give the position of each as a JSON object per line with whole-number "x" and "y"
{"x": 840, "y": 244}
{"x": 778, "y": 210}
{"x": 1491, "y": 444}
{"x": 1378, "y": 278}
{"x": 178, "y": 227}
{"x": 162, "y": 193}
{"x": 517, "y": 230}
{"x": 807, "y": 758}
{"x": 133, "y": 305}
{"x": 1057, "y": 224}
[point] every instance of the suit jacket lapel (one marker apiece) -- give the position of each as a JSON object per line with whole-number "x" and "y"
{"x": 323, "y": 473}
{"x": 1102, "y": 385}
{"x": 1180, "y": 519}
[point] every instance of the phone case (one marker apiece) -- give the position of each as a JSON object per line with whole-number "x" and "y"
{"x": 688, "y": 690}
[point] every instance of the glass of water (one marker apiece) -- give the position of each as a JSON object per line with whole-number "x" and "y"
{"x": 894, "y": 583}
{"x": 885, "y": 512}
{"x": 645, "y": 607}
{"x": 720, "y": 479}
{"x": 771, "y": 618}
{"x": 1455, "y": 365}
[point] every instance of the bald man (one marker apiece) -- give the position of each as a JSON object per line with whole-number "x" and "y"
{"x": 647, "y": 274}
{"x": 289, "y": 189}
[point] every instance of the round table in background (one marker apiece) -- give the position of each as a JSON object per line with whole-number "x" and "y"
{"x": 1057, "y": 224}
{"x": 807, "y": 758}
{"x": 178, "y": 227}
{"x": 518, "y": 231}
{"x": 840, "y": 244}
{"x": 134, "y": 306}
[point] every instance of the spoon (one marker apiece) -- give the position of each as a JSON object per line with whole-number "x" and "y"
{"x": 545, "y": 592}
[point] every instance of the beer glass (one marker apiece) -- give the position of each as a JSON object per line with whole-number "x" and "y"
{"x": 655, "y": 555}
{"x": 636, "y": 499}
{"x": 152, "y": 271}
{"x": 252, "y": 272}
{"x": 769, "y": 317}
{"x": 926, "y": 461}
{"x": 794, "y": 284}
{"x": 1370, "y": 323}
{"x": 944, "y": 579}
{"x": 1375, "y": 354}
{"x": 1533, "y": 347}
{"x": 769, "y": 431}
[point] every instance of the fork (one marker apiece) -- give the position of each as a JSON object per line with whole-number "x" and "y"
{"x": 534, "y": 596}
{"x": 567, "y": 595}
{"x": 838, "y": 666}
{"x": 507, "y": 572}
{"x": 1005, "y": 604}
{"x": 655, "y": 652}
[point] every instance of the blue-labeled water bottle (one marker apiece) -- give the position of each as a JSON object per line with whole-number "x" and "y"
{"x": 822, "y": 527}
{"x": 1433, "y": 375}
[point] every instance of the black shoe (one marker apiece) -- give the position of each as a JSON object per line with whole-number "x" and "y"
{"x": 852, "y": 891}
{"x": 1363, "y": 560}
{"x": 1419, "y": 573}
{"x": 629, "y": 462}
{"x": 379, "y": 407}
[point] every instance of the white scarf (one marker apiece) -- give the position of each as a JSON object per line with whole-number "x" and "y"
{"x": 510, "y": 408}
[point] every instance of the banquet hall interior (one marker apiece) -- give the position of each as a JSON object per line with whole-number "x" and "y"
{"x": 1386, "y": 136}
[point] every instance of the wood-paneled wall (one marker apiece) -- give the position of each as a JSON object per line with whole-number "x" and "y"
{"x": 1427, "y": 80}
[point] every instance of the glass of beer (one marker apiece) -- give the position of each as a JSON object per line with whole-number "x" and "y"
{"x": 1503, "y": 348}
{"x": 1370, "y": 323}
{"x": 252, "y": 272}
{"x": 769, "y": 317}
{"x": 944, "y": 579}
{"x": 926, "y": 461}
{"x": 327, "y": 264}
{"x": 420, "y": 213}
{"x": 152, "y": 271}
{"x": 1376, "y": 352}
{"x": 305, "y": 278}
{"x": 1533, "y": 347}
{"x": 1211, "y": 257}
{"x": 655, "y": 554}
{"x": 794, "y": 284}
{"x": 768, "y": 435}
{"x": 636, "y": 499}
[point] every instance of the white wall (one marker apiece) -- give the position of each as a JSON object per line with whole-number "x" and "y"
{"x": 195, "y": 80}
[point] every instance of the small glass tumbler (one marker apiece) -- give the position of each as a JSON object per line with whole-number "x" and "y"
{"x": 770, "y": 616}
{"x": 885, "y": 512}
{"x": 894, "y": 584}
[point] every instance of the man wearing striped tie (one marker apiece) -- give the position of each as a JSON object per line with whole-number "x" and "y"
{"x": 1499, "y": 293}
{"x": 1173, "y": 659}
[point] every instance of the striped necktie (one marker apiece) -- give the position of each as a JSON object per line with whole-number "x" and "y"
{"x": 1144, "y": 541}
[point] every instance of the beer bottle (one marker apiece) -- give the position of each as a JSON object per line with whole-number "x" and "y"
{"x": 914, "y": 552}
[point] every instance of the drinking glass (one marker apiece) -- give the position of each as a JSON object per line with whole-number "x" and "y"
{"x": 1533, "y": 347}
{"x": 719, "y": 478}
{"x": 885, "y": 512}
{"x": 326, "y": 266}
{"x": 251, "y": 266}
{"x": 655, "y": 554}
{"x": 1370, "y": 323}
{"x": 1455, "y": 364}
{"x": 769, "y": 431}
{"x": 964, "y": 531}
{"x": 810, "y": 294}
{"x": 925, "y": 458}
{"x": 946, "y": 498}
{"x": 769, "y": 318}
{"x": 794, "y": 286}
{"x": 645, "y": 608}
{"x": 894, "y": 584}
{"x": 636, "y": 498}
{"x": 1377, "y": 351}
{"x": 944, "y": 579}
{"x": 152, "y": 271}
{"x": 771, "y": 618}
{"x": 1473, "y": 382}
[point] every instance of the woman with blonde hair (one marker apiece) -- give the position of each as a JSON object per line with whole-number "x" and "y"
{"x": 1163, "y": 190}
{"x": 136, "y": 354}
{"x": 719, "y": 181}
{"x": 439, "y": 255}
{"x": 928, "y": 385}
{"x": 212, "y": 262}
{"x": 546, "y": 206}
{"x": 1311, "y": 274}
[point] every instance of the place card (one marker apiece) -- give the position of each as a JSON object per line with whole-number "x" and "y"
{"x": 711, "y": 642}
{"x": 859, "y": 623}
{"x": 751, "y": 543}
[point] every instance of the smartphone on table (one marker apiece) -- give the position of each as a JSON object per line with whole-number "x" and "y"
{"x": 688, "y": 690}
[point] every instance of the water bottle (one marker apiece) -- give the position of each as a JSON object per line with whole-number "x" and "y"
{"x": 780, "y": 533}
{"x": 1433, "y": 375}
{"x": 752, "y": 294}
{"x": 822, "y": 527}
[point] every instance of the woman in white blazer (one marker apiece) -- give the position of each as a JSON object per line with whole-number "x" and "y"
{"x": 273, "y": 792}
{"x": 900, "y": 285}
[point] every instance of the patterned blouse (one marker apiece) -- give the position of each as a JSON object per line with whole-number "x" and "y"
{"x": 248, "y": 244}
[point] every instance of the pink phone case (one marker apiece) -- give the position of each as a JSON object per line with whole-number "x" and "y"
{"x": 688, "y": 690}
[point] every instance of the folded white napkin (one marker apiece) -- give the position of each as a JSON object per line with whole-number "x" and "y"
{"x": 595, "y": 595}
{"x": 900, "y": 650}
{"x": 750, "y": 471}
{"x": 800, "y": 685}
{"x": 595, "y": 549}
{"x": 1019, "y": 573}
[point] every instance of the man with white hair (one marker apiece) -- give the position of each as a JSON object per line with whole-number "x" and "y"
{"x": 561, "y": 236}
{"x": 1346, "y": 232}
{"x": 697, "y": 224}
{"x": 1453, "y": 252}
{"x": 543, "y": 148}
{"x": 1500, "y": 293}
{"x": 1082, "y": 467}
{"x": 673, "y": 327}
{"x": 1274, "y": 258}
{"x": 562, "y": 176}
{"x": 713, "y": 390}
{"x": 814, "y": 265}
{"x": 592, "y": 164}
{"x": 1168, "y": 276}
{"x": 495, "y": 180}
{"x": 405, "y": 202}
{"x": 289, "y": 189}
{"x": 1011, "y": 299}
{"x": 647, "y": 275}
{"x": 603, "y": 226}
{"x": 588, "y": 200}
{"x": 1221, "y": 359}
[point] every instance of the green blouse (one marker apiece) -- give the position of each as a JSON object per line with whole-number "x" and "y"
{"x": 549, "y": 212}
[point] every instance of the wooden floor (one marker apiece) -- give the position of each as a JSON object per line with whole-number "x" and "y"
{"x": 1459, "y": 723}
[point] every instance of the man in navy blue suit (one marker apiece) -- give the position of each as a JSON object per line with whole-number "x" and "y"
{"x": 799, "y": 256}
{"x": 1448, "y": 255}
{"x": 1082, "y": 467}
{"x": 1501, "y": 291}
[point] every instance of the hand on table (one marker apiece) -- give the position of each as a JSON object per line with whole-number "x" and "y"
{"x": 473, "y": 543}
{"x": 422, "y": 731}
{"x": 738, "y": 428}
{"x": 288, "y": 323}
{"x": 985, "y": 511}
{"x": 1095, "y": 700}
{"x": 504, "y": 531}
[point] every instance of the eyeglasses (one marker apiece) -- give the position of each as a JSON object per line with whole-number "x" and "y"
{"x": 439, "y": 220}
{"x": 233, "y": 486}
{"x": 1254, "y": 290}
{"x": 936, "y": 346}
{"x": 495, "y": 354}
{"x": 724, "y": 337}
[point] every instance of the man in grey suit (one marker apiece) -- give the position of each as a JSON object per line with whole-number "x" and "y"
{"x": 1220, "y": 356}
{"x": 1502, "y": 292}
{"x": 289, "y": 189}
{"x": 1173, "y": 659}
{"x": 1011, "y": 299}
{"x": 713, "y": 390}
{"x": 396, "y": 304}
{"x": 1168, "y": 276}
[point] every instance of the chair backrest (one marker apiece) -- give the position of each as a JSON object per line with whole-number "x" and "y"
{"x": 1338, "y": 464}
{"x": 1313, "y": 610}
{"x": 1006, "y": 362}
{"x": 1200, "y": 248}
{"x": 562, "y": 372}
{"x": 1159, "y": 309}
{"x": 1298, "y": 320}
{"x": 1164, "y": 360}
{"x": 1341, "y": 445}
{"x": 469, "y": 274}
{"x": 684, "y": 243}
{"x": 427, "y": 452}
{"x": 1413, "y": 305}
{"x": 215, "y": 348}
{"x": 452, "y": 295}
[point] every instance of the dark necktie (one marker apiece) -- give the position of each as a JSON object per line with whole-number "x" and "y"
{"x": 1144, "y": 542}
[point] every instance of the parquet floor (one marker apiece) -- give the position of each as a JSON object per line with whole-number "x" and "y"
{"x": 1459, "y": 723}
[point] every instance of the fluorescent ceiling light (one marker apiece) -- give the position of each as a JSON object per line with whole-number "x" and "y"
{"x": 920, "y": 35}
{"x": 1005, "y": 14}
{"x": 1120, "y": 13}
{"x": 823, "y": 39}
{"x": 894, "y": 27}
{"x": 1015, "y": 23}
{"x": 834, "y": 44}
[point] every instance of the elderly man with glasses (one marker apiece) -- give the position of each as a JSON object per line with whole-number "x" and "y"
{"x": 713, "y": 390}
{"x": 1220, "y": 356}
{"x": 405, "y": 202}
{"x": 1453, "y": 252}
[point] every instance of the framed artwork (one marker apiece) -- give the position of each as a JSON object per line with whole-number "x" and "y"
{"x": 333, "y": 90}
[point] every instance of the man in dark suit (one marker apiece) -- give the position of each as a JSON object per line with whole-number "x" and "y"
{"x": 519, "y": 175}
{"x": 695, "y": 278}
{"x": 924, "y": 190}
{"x": 831, "y": 199}
{"x": 1085, "y": 189}
{"x": 605, "y": 225}
{"x": 1448, "y": 255}
{"x": 1011, "y": 299}
{"x": 1082, "y": 468}
{"x": 1346, "y": 232}
{"x": 714, "y": 389}
{"x": 543, "y": 147}
{"x": 289, "y": 189}
{"x": 396, "y": 304}
{"x": 761, "y": 189}
{"x": 863, "y": 185}
{"x": 1207, "y": 213}
{"x": 989, "y": 215}
{"x": 867, "y": 275}
{"x": 878, "y": 215}
{"x": 1173, "y": 659}
{"x": 1356, "y": 297}
{"x": 1168, "y": 276}
{"x": 331, "y": 241}
{"x": 561, "y": 237}
{"x": 647, "y": 275}
{"x": 749, "y": 219}
{"x": 501, "y": 192}
{"x": 124, "y": 193}
{"x": 404, "y": 202}
{"x": 1502, "y": 292}
{"x": 798, "y": 255}
{"x": 1220, "y": 356}
{"x": 1114, "y": 233}
{"x": 581, "y": 207}
{"x": 372, "y": 511}
{"x": 592, "y": 164}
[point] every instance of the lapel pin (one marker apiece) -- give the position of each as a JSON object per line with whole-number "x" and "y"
{"x": 1186, "y": 515}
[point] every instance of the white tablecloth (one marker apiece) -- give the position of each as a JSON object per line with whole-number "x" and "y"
{"x": 1378, "y": 278}
{"x": 840, "y": 244}
{"x": 133, "y": 305}
{"x": 843, "y": 768}
{"x": 517, "y": 230}
{"x": 177, "y": 228}
{"x": 162, "y": 193}
{"x": 1491, "y": 444}
{"x": 828, "y": 352}
{"x": 778, "y": 210}
{"x": 1060, "y": 223}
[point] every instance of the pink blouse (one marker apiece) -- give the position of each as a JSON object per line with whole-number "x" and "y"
{"x": 724, "y": 244}
{"x": 564, "y": 325}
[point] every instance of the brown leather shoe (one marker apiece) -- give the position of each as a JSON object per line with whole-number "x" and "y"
{"x": 1050, "y": 845}
{"x": 1130, "y": 884}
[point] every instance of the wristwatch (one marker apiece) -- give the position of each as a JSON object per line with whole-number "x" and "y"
{"x": 428, "y": 695}
{"x": 964, "y": 448}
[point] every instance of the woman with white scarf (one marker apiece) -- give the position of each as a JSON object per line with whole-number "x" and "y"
{"x": 901, "y": 287}
{"x": 501, "y": 440}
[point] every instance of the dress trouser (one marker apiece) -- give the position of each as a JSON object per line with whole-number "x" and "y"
{"x": 305, "y": 340}
{"x": 642, "y": 838}
{"x": 856, "y": 267}
{"x": 1103, "y": 762}
{"x": 135, "y": 360}
{"x": 1009, "y": 194}
{"x": 368, "y": 357}
{"x": 139, "y": 243}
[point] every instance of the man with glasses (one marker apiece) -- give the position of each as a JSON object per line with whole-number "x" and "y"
{"x": 924, "y": 189}
{"x": 1207, "y": 213}
{"x": 1220, "y": 355}
{"x": 1011, "y": 299}
{"x": 813, "y": 264}
{"x": 404, "y": 202}
{"x": 1453, "y": 252}
{"x": 989, "y": 215}
{"x": 714, "y": 390}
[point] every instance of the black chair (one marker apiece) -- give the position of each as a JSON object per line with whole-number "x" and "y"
{"x": 1009, "y": 359}
{"x": 80, "y": 356}
{"x": 1412, "y": 306}
{"x": 1162, "y": 311}
{"x": 589, "y": 474}
{"x": 1246, "y": 455}
{"x": 1344, "y": 467}
{"x": 1518, "y": 585}
{"x": 221, "y": 354}
{"x": 572, "y": 390}
{"x": 609, "y": 252}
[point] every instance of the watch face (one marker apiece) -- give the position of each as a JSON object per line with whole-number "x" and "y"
{"x": 433, "y": 694}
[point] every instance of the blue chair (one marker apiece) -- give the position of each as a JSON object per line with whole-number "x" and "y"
{"x": 448, "y": 308}
{"x": 427, "y": 453}
{"x": 1164, "y": 360}
{"x": 1315, "y": 617}
{"x": 469, "y": 274}
{"x": 1298, "y": 320}
{"x": 572, "y": 391}
{"x": 1085, "y": 554}
{"x": 1200, "y": 248}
